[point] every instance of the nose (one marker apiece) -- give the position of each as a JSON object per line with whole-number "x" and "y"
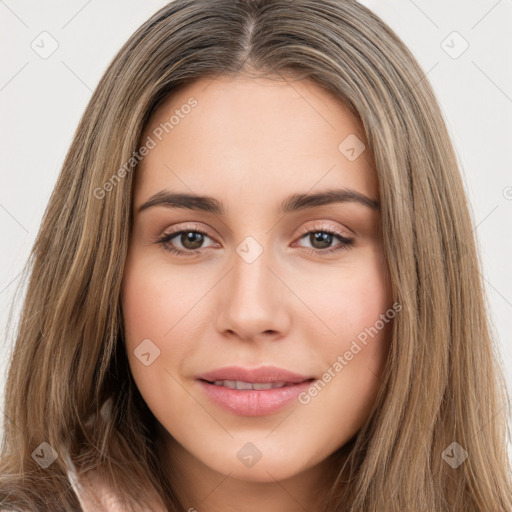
{"x": 253, "y": 300}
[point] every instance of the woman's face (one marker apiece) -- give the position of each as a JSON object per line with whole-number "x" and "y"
{"x": 273, "y": 271}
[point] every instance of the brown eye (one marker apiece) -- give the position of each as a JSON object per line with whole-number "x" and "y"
{"x": 191, "y": 241}
{"x": 321, "y": 240}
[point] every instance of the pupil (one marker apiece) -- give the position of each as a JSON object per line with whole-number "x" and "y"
{"x": 325, "y": 239}
{"x": 192, "y": 240}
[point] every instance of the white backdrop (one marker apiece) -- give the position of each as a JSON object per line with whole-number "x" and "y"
{"x": 53, "y": 54}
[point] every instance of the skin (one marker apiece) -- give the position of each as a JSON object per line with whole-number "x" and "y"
{"x": 251, "y": 143}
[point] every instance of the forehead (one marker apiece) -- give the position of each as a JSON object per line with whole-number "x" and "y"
{"x": 257, "y": 135}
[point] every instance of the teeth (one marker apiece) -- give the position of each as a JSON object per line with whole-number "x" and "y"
{"x": 243, "y": 385}
{"x": 238, "y": 384}
{"x": 269, "y": 385}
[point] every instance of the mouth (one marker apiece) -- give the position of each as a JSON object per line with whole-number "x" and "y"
{"x": 257, "y": 386}
{"x": 253, "y": 392}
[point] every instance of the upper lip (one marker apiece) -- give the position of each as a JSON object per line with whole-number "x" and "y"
{"x": 263, "y": 374}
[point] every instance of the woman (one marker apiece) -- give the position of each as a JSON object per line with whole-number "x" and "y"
{"x": 256, "y": 284}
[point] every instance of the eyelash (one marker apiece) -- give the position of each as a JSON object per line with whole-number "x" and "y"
{"x": 346, "y": 243}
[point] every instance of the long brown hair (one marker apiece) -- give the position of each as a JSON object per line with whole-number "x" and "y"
{"x": 443, "y": 383}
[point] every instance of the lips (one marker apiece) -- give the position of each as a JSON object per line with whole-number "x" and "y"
{"x": 258, "y": 386}
{"x": 253, "y": 392}
{"x": 261, "y": 375}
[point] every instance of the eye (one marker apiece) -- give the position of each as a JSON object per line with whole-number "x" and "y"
{"x": 321, "y": 239}
{"x": 191, "y": 240}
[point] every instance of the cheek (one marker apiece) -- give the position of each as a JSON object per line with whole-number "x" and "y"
{"x": 357, "y": 307}
{"x": 367, "y": 319}
{"x": 349, "y": 299}
{"x": 162, "y": 305}
{"x": 158, "y": 338}
{"x": 152, "y": 298}
{"x": 148, "y": 304}
{"x": 143, "y": 303}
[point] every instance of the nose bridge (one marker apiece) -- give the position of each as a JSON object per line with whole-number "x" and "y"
{"x": 252, "y": 283}
{"x": 253, "y": 301}
{"x": 250, "y": 274}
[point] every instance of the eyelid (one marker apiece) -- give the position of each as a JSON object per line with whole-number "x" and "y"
{"x": 323, "y": 226}
{"x": 177, "y": 230}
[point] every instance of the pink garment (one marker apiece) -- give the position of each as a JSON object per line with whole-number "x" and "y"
{"x": 95, "y": 496}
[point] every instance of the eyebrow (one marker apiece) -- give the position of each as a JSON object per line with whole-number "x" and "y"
{"x": 293, "y": 203}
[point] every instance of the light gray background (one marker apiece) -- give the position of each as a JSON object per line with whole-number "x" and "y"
{"x": 41, "y": 102}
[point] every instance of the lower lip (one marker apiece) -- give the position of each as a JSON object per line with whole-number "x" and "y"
{"x": 254, "y": 402}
